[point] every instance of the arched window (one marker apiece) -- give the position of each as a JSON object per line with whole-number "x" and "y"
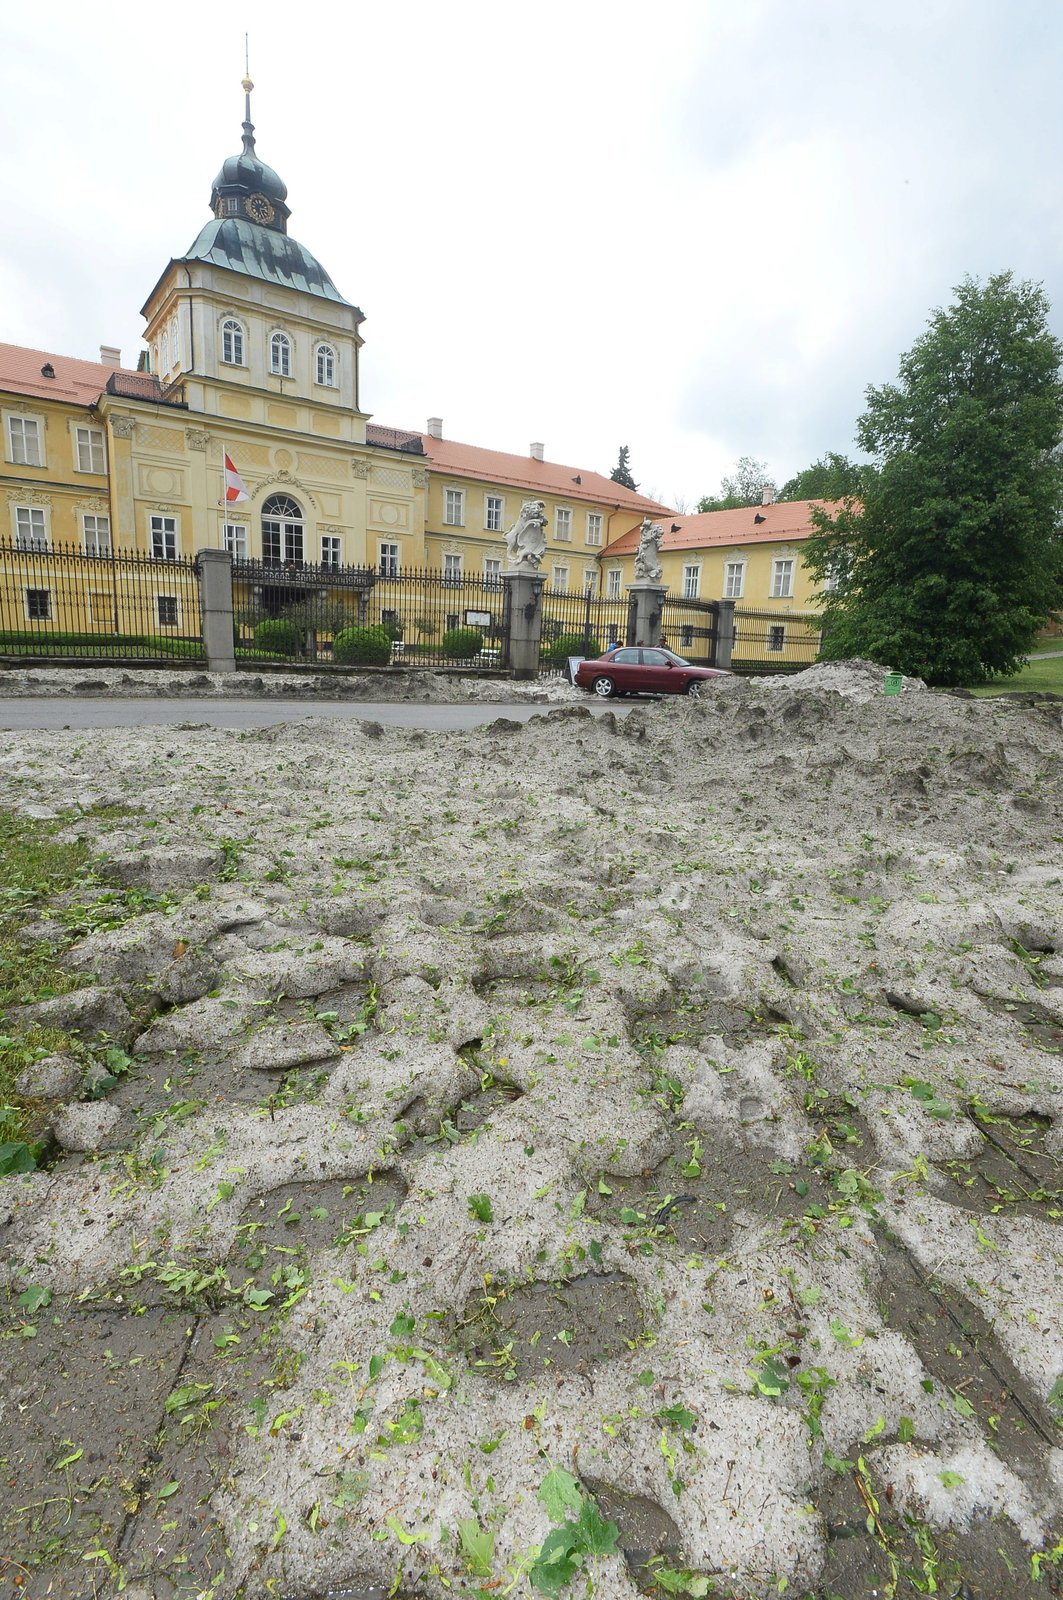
{"x": 165, "y": 351}
{"x": 326, "y": 366}
{"x": 175, "y": 342}
{"x": 280, "y": 355}
{"x": 282, "y": 531}
{"x": 232, "y": 342}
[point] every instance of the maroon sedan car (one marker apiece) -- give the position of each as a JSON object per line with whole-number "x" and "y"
{"x": 636, "y": 670}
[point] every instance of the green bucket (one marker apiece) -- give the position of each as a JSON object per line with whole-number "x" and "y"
{"x": 893, "y": 682}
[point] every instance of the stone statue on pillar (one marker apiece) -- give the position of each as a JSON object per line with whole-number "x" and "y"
{"x": 526, "y": 540}
{"x": 648, "y": 567}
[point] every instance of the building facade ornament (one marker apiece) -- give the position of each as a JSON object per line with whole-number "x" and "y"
{"x": 122, "y": 427}
{"x": 359, "y": 468}
{"x": 420, "y": 478}
{"x": 289, "y": 480}
{"x": 197, "y": 438}
{"x": 28, "y": 497}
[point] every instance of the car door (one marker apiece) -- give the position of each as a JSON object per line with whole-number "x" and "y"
{"x": 624, "y": 670}
{"x": 657, "y": 676}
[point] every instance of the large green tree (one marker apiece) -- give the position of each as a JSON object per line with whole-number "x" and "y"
{"x": 621, "y": 473}
{"x": 743, "y": 487}
{"x": 833, "y": 477}
{"x": 951, "y": 560}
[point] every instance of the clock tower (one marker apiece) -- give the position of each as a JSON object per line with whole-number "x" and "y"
{"x": 246, "y": 187}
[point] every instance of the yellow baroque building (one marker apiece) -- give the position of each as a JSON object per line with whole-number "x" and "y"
{"x": 253, "y": 353}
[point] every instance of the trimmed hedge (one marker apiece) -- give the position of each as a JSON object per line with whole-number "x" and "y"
{"x": 279, "y": 635}
{"x": 571, "y": 644}
{"x": 16, "y": 642}
{"x": 362, "y": 647}
{"x": 461, "y": 644}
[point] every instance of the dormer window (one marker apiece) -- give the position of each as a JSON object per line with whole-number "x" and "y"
{"x": 232, "y": 342}
{"x": 326, "y": 366}
{"x": 228, "y": 206}
{"x": 280, "y": 355}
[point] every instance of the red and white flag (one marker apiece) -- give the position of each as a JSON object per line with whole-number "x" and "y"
{"x": 235, "y": 488}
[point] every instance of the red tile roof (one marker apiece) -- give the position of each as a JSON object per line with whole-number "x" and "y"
{"x": 79, "y": 382}
{"x": 786, "y": 519}
{"x": 537, "y": 477}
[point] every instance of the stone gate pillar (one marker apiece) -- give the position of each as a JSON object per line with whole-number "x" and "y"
{"x": 648, "y": 601}
{"x": 524, "y": 611}
{"x": 216, "y": 609}
{"x": 725, "y": 634}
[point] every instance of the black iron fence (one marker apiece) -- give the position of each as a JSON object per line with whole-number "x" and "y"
{"x": 364, "y": 616}
{"x": 61, "y": 601}
{"x": 691, "y": 628}
{"x": 774, "y": 641}
{"x": 576, "y": 624}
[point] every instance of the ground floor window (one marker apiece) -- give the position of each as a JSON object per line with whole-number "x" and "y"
{"x": 31, "y": 528}
{"x": 39, "y": 605}
{"x": 776, "y": 636}
{"x": 612, "y": 583}
{"x": 330, "y": 550}
{"x": 687, "y": 638}
{"x": 166, "y": 610}
{"x": 389, "y": 560}
{"x": 452, "y": 569}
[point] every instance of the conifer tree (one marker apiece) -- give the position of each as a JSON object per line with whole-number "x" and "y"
{"x": 621, "y": 473}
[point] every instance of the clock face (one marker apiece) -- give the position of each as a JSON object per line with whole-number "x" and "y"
{"x": 259, "y": 209}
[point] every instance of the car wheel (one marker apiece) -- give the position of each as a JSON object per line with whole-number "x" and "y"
{"x": 696, "y": 687}
{"x": 605, "y": 688}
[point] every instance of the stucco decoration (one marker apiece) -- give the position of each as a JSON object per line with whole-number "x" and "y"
{"x": 122, "y": 427}
{"x": 526, "y": 540}
{"x": 283, "y": 476}
{"x": 152, "y": 438}
{"x": 648, "y": 567}
{"x": 197, "y": 438}
{"x": 359, "y": 468}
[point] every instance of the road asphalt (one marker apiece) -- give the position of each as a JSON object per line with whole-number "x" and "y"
{"x": 106, "y": 712}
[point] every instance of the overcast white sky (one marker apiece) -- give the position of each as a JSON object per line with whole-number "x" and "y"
{"x": 700, "y": 229}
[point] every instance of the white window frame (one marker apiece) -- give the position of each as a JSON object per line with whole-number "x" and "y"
{"x": 325, "y": 362}
{"x": 32, "y": 527}
{"x": 18, "y": 454}
{"x": 454, "y": 502}
{"x": 90, "y": 452}
{"x": 612, "y": 583}
{"x": 563, "y": 524}
{"x": 782, "y": 577}
{"x": 559, "y": 579}
{"x": 34, "y": 588}
{"x": 235, "y": 538}
{"x": 590, "y": 580}
{"x": 280, "y": 355}
{"x": 389, "y": 558}
{"x": 734, "y": 579}
{"x": 691, "y": 580}
{"x": 493, "y": 569}
{"x": 175, "y": 342}
{"x": 595, "y": 524}
{"x": 776, "y": 631}
{"x": 96, "y": 533}
{"x": 452, "y": 567}
{"x": 159, "y": 622}
{"x": 163, "y": 538}
{"x": 232, "y": 340}
{"x": 494, "y": 512}
{"x": 164, "y": 345}
{"x": 331, "y": 550}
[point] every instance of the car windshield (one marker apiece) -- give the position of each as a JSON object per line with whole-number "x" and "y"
{"x": 678, "y": 660}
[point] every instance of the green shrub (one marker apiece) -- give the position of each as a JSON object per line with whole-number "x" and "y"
{"x": 362, "y": 647}
{"x": 279, "y": 635}
{"x": 571, "y": 644}
{"x": 395, "y": 629}
{"x": 461, "y": 644}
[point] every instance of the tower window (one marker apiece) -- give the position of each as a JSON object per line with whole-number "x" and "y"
{"x": 232, "y": 342}
{"x": 326, "y": 366}
{"x": 280, "y": 355}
